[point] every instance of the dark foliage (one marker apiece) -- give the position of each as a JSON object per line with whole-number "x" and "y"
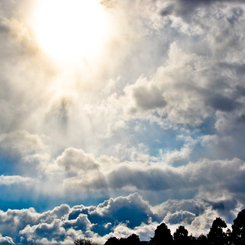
{"x": 218, "y": 235}
{"x": 202, "y": 240}
{"x": 112, "y": 241}
{"x": 131, "y": 240}
{"x": 83, "y": 242}
{"x": 162, "y": 236}
{"x": 238, "y": 229}
{"x": 181, "y": 236}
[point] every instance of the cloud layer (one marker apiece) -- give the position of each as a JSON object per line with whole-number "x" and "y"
{"x": 149, "y": 130}
{"x": 118, "y": 217}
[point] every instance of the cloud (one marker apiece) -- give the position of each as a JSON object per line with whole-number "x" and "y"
{"x": 184, "y": 8}
{"x": 21, "y": 143}
{"x": 14, "y": 29}
{"x": 184, "y": 217}
{"x": 76, "y": 160}
{"x": 122, "y": 209}
{"x": 148, "y": 98}
{"x": 223, "y": 104}
{"x": 10, "y": 180}
{"x": 183, "y": 154}
{"x": 118, "y": 217}
{"x": 185, "y": 88}
{"x": 217, "y": 176}
{"x": 160, "y": 114}
{"x": 13, "y": 221}
{"x": 22, "y": 154}
{"x": 6, "y": 240}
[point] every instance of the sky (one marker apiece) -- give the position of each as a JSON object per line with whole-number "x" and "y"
{"x": 117, "y": 115}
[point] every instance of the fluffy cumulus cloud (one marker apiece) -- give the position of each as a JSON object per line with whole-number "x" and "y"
{"x": 118, "y": 217}
{"x": 146, "y": 126}
{"x": 73, "y": 159}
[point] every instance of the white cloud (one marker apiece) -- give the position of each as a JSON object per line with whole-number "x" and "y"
{"x": 6, "y": 240}
{"x": 76, "y": 160}
{"x": 182, "y": 154}
{"x": 10, "y": 180}
{"x": 120, "y": 217}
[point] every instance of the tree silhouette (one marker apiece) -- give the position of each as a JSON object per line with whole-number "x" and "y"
{"x": 228, "y": 237}
{"x": 181, "y": 235}
{"x": 113, "y": 241}
{"x": 162, "y": 236}
{"x": 133, "y": 240}
{"x": 202, "y": 240}
{"x": 82, "y": 242}
{"x": 216, "y": 235}
{"x": 191, "y": 240}
{"x": 238, "y": 229}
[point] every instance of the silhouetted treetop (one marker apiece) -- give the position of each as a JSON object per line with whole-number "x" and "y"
{"x": 112, "y": 241}
{"x": 83, "y": 242}
{"x": 133, "y": 240}
{"x": 181, "y": 235}
{"x": 202, "y": 240}
{"x": 216, "y": 235}
{"x": 162, "y": 235}
{"x": 238, "y": 229}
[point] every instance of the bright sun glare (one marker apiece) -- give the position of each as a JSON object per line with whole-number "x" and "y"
{"x": 70, "y": 29}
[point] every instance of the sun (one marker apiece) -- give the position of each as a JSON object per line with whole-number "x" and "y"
{"x": 70, "y": 30}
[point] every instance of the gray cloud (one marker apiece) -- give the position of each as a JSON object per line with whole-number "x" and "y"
{"x": 186, "y": 7}
{"x": 148, "y": 99}
{"x": 149, "y": 179}
{"x": 21, "y": 143}
{"x": 180, "y": 217}
{"x": 15, "y": 180}
{"x": 208, "y": 176}
{"x": 75, "y": 160}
